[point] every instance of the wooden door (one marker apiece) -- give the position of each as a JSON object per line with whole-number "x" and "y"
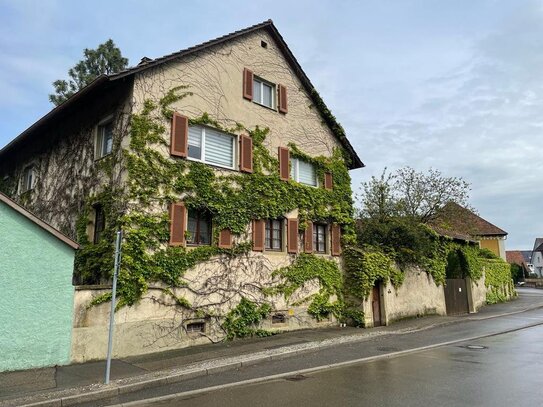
{"x": 376, "y": 305}
{"x": 456, "y": 296}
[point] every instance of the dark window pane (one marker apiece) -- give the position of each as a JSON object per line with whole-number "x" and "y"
{"x": 99, "y": 222}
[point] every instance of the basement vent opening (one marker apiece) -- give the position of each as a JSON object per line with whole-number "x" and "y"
{"x": 263, "y": 44}
{"x": 194, "y": 327}
{"x": 279, "y": 319}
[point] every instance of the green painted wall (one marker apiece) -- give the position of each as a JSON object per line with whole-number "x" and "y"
{"x": 36, "y": 294}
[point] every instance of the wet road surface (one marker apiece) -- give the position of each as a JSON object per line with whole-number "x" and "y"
{"x": 501, "y": 370}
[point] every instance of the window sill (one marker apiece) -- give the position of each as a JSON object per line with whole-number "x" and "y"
{"x": 267, "y": 107}
{"x": 96, "y": 159}
{"x": 217, "y": 166}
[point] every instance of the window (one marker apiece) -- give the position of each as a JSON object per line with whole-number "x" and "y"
{"x": 279, "y": 319}
{"x": 303, "y": 172}
{"x": 211, "y": 146}
{"x": 274, "y": 234}
{"x": 27, "y": 180}
{"x": 199, "y": 228}
{"x": 319, "y": 238}
{"x": 195, "y": 327}
{"x": 263, "y": 93}
{"x": 99, "y": 223}
{"x": 104, "y": 139}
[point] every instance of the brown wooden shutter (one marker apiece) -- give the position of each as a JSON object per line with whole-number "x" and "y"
{"x": 308, "y": 238}
{"x": 180, "y": 135}
{"x": 225, "y": 239}
{"x": 336, "y": 239}
{"x": 282, "y": 91}
{"x": 246, "y": 154}
{"x": 259, "y": 233}
{"x": 292, "y": 235}
{"x": 284, "y": 164}
{"x": 328, "y": 181}
{"x": 247, "y": 84}
{"x": 177, "y": 224}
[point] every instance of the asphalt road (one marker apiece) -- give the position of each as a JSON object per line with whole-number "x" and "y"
{"x": 501, "y": 370}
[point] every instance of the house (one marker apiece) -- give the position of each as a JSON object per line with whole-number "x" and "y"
{"x": 36, "y": 264}
{"x": 229, "y": 177}
{"x": 522, "y": 258}
{"x": 454, "y": 218}
{"x": 537, "y": 257}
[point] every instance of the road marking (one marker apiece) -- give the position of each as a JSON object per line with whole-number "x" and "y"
{"x": 314, "y": 369}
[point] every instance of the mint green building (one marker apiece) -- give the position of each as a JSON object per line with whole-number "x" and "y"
{"x": 36, "y": 293}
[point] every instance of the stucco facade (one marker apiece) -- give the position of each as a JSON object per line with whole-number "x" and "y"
{"x": 69, "y": 180}
{"x": 37, "y": 294}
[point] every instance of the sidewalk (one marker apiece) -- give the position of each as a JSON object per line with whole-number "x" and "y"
{"x": 72, "y": 384}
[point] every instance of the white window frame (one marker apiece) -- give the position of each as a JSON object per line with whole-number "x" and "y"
{"x": 295, "y": 162}
{"x": 22, "y": 183}
{"x": 203, "y": 148}
{"x": 261, "y": 83}
{"x": 99, "y": 139}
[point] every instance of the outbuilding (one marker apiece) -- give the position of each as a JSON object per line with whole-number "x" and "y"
{"x": 36, "y": 297}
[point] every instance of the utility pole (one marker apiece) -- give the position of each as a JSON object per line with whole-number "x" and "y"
{"x": 113, "y": 295}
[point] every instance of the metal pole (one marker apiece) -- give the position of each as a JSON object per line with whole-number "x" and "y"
{"x": 113, "y": 295}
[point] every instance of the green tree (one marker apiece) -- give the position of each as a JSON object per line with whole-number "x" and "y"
{"x": 106, "y": 59}
{"x": 410, "y": 194}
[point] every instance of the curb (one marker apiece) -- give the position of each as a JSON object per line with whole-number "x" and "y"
{"x": 232, "y": 363}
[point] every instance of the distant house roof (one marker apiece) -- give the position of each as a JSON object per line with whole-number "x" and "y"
{"x": 455, "y": 218}
{"x": 537, "y": 244}
{"x": 102, "y": 82}
{"x": 33, "y": 218}
{"x": 539, "y": 248}
{"x": 514, "y": 257}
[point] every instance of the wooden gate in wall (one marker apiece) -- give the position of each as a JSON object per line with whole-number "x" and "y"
{"x": 456, "y": 296}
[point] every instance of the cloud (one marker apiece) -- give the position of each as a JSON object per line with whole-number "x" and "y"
{"x": 482, "y": 121}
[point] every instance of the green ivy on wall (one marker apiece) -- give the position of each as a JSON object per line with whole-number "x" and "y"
{"x": 233, "y": 199}
{"x": 307, "y": 268}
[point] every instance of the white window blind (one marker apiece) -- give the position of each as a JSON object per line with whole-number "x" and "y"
{"x": 219, "y": 148}
{"x": 195, "y": 142}
{"x": 303, "y": 172}
{"x": 211, "y": 146}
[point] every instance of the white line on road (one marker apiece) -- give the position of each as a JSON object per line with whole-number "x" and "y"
{"x": 314, "y": 369}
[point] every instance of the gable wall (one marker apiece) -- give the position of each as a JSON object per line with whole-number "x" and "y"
{"x": 215, "y": 78}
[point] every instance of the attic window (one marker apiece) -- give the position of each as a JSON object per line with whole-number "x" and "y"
{"x": 263, "y": 44}
{"x": 195, "y": 327}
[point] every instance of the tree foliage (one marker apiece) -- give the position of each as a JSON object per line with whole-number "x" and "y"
{"x": 410, "y": 194}
{"x": 106, "y": 59}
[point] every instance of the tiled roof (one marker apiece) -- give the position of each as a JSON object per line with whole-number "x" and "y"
{"x": 146, "y": 63}
{"x": 454, "y": 217}
{"x": 514, "y": 257}
{"x": 538, "y": 242}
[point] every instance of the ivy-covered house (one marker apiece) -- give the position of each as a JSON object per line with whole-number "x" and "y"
{"x": 229, "y": 177}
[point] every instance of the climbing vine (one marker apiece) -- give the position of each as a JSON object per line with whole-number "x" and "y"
{"x": 233, "y": 199}
{"x": 307, "y": 268}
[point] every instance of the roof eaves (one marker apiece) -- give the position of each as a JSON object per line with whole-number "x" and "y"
{"x": 33, "y": 218}
{"x": 58, "y": 109}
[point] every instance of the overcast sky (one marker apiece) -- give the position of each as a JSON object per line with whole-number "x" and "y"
{"x": 453, "y": 85}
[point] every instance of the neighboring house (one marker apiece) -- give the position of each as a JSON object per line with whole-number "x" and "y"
{"x": 36, "y": 264}
{"x": 462, "y": 221}
{"x": 522, "y": 258}
{"x": 537, "y": 257}
{"x": 222, "y": 164}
